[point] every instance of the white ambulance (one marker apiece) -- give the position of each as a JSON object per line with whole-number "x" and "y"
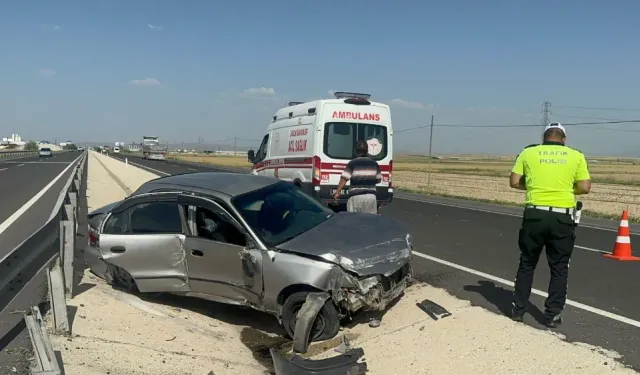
{"x": 310, "y": 143}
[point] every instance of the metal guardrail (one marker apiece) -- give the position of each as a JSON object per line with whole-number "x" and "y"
{"x": 17, "y": 154}
{"x": 23, "y": 154}
{"x": 46, "y": 256}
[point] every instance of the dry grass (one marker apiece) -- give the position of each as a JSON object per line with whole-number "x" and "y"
{"x": 222, "y": 160}
{"x": 616, "y": 181}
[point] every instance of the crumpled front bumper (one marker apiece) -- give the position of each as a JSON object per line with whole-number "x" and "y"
{"x": 377, "y": 292}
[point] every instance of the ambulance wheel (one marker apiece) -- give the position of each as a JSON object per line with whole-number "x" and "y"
{"x": 326, "y": 325}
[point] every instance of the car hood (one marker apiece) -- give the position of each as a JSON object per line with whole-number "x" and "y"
{"x": 365, "y": 244}
{"x": 96, "y": 216}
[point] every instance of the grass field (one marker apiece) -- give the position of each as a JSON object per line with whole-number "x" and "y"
{"x": 616, "y": 182}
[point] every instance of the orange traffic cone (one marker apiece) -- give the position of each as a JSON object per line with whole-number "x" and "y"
{"x": 622, "y": 247}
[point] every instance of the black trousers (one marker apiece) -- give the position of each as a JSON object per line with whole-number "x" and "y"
{"x": 556, "y": 233}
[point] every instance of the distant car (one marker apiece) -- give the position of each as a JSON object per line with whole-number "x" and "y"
{"x": 250, "y": 240}
{"x": 45, "y": 152}
{"x": 116, "y": 150}
{"x": 80, "y": 148}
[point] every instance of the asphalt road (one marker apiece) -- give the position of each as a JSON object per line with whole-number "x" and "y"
{"x": 20, "y": 181}
{"x": 470, "y": 250}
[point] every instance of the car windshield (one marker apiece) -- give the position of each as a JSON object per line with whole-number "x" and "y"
{"x": 280, "y": 212}
{"x": 340, "y": 139}
{"x": 45, "y": 149}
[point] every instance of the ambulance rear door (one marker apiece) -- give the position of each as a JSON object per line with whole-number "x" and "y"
{"x": 346, "y": 124}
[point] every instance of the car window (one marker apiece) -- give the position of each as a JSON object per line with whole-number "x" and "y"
{"x": 214, "y": 227}
{"x": 116, "y": 224}
{"x": 280, "y": 212}
{"x": 156, "y": 217}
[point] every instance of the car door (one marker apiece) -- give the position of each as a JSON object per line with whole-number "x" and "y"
{"x": 223, "y": 262}
{"x": 260, "y": 160}
{"x": 145, "y": 236}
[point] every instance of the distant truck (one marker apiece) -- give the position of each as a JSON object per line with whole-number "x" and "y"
{"x": 152, "y": 149}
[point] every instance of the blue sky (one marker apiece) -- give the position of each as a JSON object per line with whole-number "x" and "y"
{"x": 115, "y": 70}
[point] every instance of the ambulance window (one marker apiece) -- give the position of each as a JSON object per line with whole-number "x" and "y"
{"x": 340, "y": 139}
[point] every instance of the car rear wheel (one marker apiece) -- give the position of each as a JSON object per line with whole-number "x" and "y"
{"x": 119, "y": 277}
{"x": 326, "y": 325}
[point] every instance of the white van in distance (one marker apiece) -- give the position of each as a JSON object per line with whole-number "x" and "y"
{"x": 310, "y": 143}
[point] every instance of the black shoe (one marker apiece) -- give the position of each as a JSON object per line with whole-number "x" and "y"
{"x": 517, "y": 316}
{"x": 553, "y": 322}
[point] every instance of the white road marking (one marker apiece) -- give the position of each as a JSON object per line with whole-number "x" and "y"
{"x": 33, "y": 200}
{"x": 192, "y": 169}
{"x": 491, "y": 211}
{"x": 20, "y": 165}
{"x": 592, "y": 249}
{"x": 145, "y": 167}
{"x": 537, "y": 292}
{"x": 3, "y": 169}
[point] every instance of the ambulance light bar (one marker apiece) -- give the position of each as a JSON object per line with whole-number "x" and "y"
{"x": 351, "y": 95}
{"x": 294, "y": 103}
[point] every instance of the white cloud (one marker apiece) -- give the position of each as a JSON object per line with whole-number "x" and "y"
{"x": 259, "y": 92}
{"x": 56, "y": 27}
{"x": 47, "y": 72}
{"x": 155, "y": 27}
{"x": 412, "y": 105}
{"x": 331, "y": 92}
{"x": 146, "y": 82}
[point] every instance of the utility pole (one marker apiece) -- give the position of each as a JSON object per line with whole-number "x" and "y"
{"x": 235, "y": 145}
{"x": 429, "y": 161}
{"x": 546, "y": 114}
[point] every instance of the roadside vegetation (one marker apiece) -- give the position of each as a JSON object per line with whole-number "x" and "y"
{"x": 485, "y": 178}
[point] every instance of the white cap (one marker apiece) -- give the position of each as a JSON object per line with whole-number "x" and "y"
{"x": 555, "y": 125}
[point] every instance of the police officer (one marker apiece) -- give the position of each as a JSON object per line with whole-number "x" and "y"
{"x": 552, "y": 174}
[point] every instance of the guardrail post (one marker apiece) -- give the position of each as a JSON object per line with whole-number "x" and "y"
{"x": 55, "y": 281}
{"x": 44, "y": 356}
{"x": 61, "y": 251}
{"x": 69, "y": 227}
{"x": 73, "y": 201}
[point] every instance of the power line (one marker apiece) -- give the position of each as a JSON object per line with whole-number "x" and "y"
{"x": 599, "y": 109}
{"x": 589, "y": 118}
{"x": 516, "y": 125}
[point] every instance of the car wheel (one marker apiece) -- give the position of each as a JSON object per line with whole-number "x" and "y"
{"x": 327, "y": 322}
{"x": 119, "y": 277}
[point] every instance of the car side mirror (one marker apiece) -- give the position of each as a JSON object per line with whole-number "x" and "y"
{"x": 251, "y": 155}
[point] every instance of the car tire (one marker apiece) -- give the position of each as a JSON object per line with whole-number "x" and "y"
{"x": 119, "y": 277}
{"x": 327, "y": 322}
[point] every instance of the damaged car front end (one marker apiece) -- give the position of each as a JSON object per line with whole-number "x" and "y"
{"x": 372, "y": 259}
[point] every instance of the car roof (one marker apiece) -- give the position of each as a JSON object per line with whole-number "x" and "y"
{"x": 227, "y": 183}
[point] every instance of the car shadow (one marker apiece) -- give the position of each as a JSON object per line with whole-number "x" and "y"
{"x": 231, "y": 314}
{"x": 501, "y": 298}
